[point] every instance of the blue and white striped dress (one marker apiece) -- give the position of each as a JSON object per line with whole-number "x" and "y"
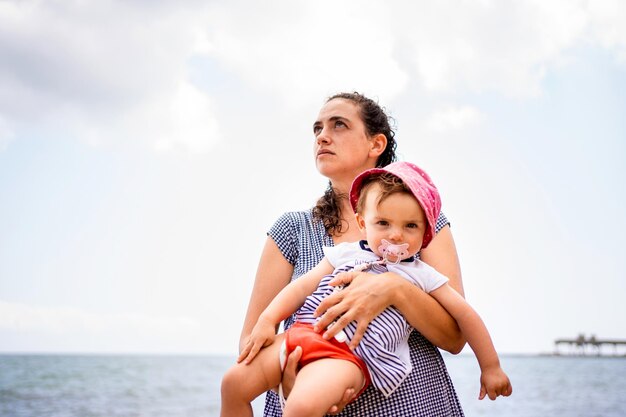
{"x": 427, "y": 390}
{"x": 384, "y": 347}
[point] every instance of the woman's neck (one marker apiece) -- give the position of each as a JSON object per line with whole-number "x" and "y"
{"x": 341, "y": 188}
{"x": 350, "y": 231}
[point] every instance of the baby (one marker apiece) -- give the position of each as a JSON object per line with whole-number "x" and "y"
{"x": 396, "y": 209}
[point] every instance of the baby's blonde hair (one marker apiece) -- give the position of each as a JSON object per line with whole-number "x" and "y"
{"x": 389, "y": 184}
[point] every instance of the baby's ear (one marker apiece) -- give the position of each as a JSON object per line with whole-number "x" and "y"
{"x": 360, "y": 221}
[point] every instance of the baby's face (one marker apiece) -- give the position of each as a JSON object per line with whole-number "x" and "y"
{"x": 398, "y": 219}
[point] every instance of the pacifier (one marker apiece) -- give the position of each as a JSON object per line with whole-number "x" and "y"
{"x": 400, "y": 251}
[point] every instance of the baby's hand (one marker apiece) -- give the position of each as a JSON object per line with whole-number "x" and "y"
{"x": 494, "y": 382}
{"x": 262, "y": 335}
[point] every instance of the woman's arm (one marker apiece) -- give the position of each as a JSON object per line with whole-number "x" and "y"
{"x": 441, "y": 254}
{"x": 368, "y": 295}
{"x": 273, "y": 274}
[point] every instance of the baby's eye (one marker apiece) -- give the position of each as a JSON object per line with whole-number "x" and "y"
{"x": 412, "y": 226}
{"x": 382, "y": 223}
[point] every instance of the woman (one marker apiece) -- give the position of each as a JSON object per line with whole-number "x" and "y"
{"x": 352, "y": 134}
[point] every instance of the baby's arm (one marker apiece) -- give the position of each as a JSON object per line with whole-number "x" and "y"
{"x": 288, "y": 300}
{"x": 494, "y": 381}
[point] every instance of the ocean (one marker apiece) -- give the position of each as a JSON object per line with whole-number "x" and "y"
{"x": 177, "y": 386}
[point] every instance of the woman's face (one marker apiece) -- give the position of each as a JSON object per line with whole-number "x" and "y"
{"x": 342, "y": 147}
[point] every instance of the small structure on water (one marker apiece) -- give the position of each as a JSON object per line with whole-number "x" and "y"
{"x": 591, "y": 346}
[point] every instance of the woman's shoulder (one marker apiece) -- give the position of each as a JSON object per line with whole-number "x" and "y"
{"x": 297, "y": 233}
{"x": 298, "y": 223}
{"x": 442, "y": 221}
{"x": 297, "y": 216}
{"x": 295, "y": 220}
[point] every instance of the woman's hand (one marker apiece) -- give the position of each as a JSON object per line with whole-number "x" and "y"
{"x": 369, "y": 294}
{"x": 366, "y": 297}
{"x": 290, "y": 371}
{"x": 289, "y": 377}
{"x": 347, "y": 397}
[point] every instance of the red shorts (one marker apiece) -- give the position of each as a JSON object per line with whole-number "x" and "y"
{"x": 315, "y": 347}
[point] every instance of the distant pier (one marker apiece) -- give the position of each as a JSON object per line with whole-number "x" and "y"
{"x": 590, "y": 346}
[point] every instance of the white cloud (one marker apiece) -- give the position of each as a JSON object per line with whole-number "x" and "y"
{"x": 454, "y": 118}
{"x": 192, "y": 123}
{"x": 304, "y": 50}
{"x": 106, "y": 71}
{"x": 78, "y": 329}
{"x": 299, "y": 50}
{"x": 15, "y": 316}
{"x": 6, "y": 134}
{"x": 182, "y": 118}
{"x": 115, "y": 71}
{"x": 608, "y": 19}
{"x": 488, "y": 46}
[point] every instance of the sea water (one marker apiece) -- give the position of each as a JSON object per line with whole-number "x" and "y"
{"x": 177, "y": 386}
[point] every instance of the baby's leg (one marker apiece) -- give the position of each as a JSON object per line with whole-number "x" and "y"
{"x": 320, "y": 385}
{"x": 241, "y": 384}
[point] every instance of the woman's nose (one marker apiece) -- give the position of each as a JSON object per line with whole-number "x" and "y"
{"x": 322, "y": 136}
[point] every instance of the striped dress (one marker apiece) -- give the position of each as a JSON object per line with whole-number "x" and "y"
{"x": 427, "y": 390}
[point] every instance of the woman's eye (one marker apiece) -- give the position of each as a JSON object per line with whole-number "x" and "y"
{"x": 339, "y": 123}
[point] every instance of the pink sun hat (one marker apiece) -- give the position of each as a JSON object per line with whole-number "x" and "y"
{"x": 420, "y": 184}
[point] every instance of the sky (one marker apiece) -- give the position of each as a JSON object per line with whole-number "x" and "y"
{"x": 147, "y": 147}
